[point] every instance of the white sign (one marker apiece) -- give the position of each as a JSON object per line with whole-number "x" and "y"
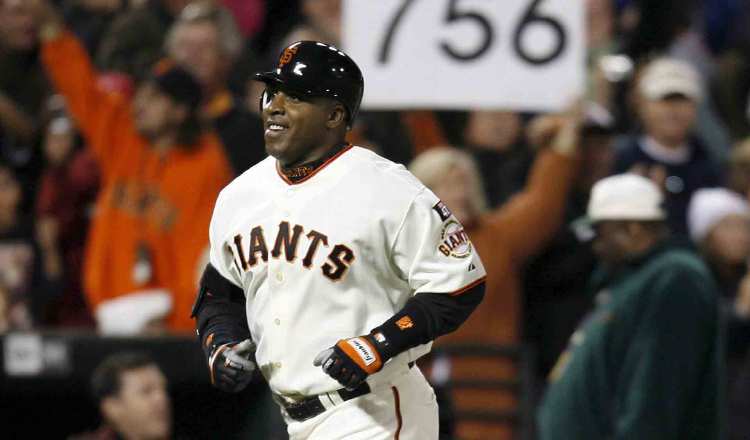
{"x": 467, "y": 54}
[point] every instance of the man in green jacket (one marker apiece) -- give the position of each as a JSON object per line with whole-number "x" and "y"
{"x": 647, "y": 362}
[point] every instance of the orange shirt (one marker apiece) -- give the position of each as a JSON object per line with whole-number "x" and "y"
{"x": 505, "y": 238}
{"x": 160, "y": 202}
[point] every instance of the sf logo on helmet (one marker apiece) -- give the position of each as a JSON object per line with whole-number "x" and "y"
{"x": 287, "y": 55}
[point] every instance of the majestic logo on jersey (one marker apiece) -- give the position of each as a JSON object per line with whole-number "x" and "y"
{"x": 455, "y": 241}
{"x": 363, "y": 350}
{"x": 442, "y": 211}
{"x": 286, "y": 244}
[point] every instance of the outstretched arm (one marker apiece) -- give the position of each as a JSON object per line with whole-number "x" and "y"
{"x": 531, "y": 217}
{"x": 100, "y": 115}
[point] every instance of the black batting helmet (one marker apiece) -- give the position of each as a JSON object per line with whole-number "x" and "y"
{"x": 312, "y": 68}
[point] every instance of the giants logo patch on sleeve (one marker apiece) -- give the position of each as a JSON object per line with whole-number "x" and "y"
{"x": 442, "y": 211}
{"x": 454, "y": 241}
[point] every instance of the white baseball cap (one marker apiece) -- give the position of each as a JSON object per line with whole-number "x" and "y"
{"x": 625, "y": 197}
{"x": 709, "y": 206}
{"x": 667, "y": 76}
{"x": 620, "y": 197}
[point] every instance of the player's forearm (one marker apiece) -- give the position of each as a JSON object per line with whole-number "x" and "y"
{"x": 224, "y": 320}
{"x": 219, "y": 310}
{"x": 426, "y": 317}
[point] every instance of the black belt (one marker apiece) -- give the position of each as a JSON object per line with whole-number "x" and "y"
{"x": 312, "y": 406}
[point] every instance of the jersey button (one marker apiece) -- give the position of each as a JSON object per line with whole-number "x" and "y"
{"x": 279, "y": 277}
{"x": 277, "y": 321}
{"x": 277, "y": 365}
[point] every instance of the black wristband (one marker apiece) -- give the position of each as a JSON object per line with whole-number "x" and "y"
{"x": 219, "y": 311}
{"x": 404, "y": 330}
{"x": 425, "y": 317}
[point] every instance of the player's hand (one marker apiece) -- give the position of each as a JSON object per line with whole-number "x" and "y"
{"x": 351, "y": 360}
{"x": 231, "y": 367}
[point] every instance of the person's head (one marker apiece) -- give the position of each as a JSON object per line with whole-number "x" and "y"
{"x": 174, "y": 7}
{"x": 59, "y": 140}
{"x": 10, "y": 191}
{"x": 454, "y": 177}
{"x": 719, "y": 224}
{"x": 669, "y": 92}
{"x": 131, "y": 392}
{"x": 628, "y": 218}
{"x": 493, "y": 130}
{"x": 205, "y": 40}
{"x": 166, "y": 104}
{"x": 324, "y": 15}
{"x": 738, "y": 172}
{"x": 310, "y": 101}
{"x": 18, "y": 26}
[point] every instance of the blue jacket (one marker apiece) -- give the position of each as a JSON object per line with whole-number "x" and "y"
{"x": 700, "y": 171}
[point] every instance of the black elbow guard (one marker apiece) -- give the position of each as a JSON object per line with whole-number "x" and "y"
{"x": 217, "y": 287}
{"x": 219, "y": 310}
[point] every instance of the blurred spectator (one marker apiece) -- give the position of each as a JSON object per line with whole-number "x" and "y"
{"x": 495, "y": 140}
{"x": 648, "y": 360}
{"x": 738, "y": 170}
{"x": 321, "y": 22}
{"x": 161, "y": 173}
{"x": 667, "y": 152}
{"x": 399, "y": 135}
{"x": 601, "y": 43}
{"x": 23, "y": 91}
{"x": 731, "y": 88}
{"x": 503, "y": 239}
{"x": 90, "y": 19}
{"x": 66, "y": 196}
{"x": 719, "y": 221}
{"x": 248, "y": 13}
{"x": 29, "y": 268}
{"x": 134, "y": 41}
{"x": 205, "y": 40}
{"x": 131, "y": 393}
{"x": 651, "y": 26}
{"x": 555, "y": 280}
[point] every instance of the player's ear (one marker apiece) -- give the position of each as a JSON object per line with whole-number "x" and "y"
{"x": 337, "y": 116}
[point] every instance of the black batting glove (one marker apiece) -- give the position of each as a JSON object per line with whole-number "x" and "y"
{"x": 351, "y": 360}
{"x": 231, "y": 367}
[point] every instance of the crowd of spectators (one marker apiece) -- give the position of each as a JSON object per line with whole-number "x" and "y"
{"x": 120, "y": 120}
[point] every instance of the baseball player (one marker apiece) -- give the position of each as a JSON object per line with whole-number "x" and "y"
{"x": 335, "y": 267}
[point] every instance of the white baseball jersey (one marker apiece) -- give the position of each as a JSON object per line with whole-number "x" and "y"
{"x": 332, "y": 256}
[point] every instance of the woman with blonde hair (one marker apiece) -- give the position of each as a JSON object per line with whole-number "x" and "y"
{"x": 505, "y": 237}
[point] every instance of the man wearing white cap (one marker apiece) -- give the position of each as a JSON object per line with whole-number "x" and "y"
{"x": 719, "y": 222}
{"x": 667, "y": 151}
{"x": 646, "y": 363}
